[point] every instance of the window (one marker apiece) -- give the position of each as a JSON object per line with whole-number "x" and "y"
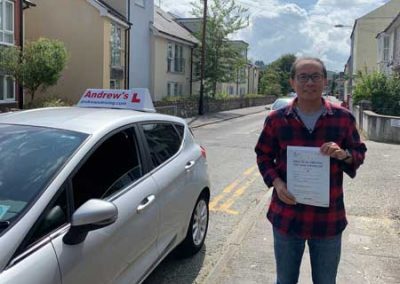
{"x": 175, "y": 60}
{"x": 163, "y": 141}
{"x": 32, "y": 157}
{"x": 116, "y": 45}
{"x": 231, "y": 90}
{"x": 55, "y": 216}
{"x": 7, "y": 88}
{"x": 174, "y": 89}
{"x": 115, "y": 84}
{"x": 170, "y": 57}
{"x": 6, "y": 21}
{"x": 386, "y": 49}
{"x": 112, "y": 167}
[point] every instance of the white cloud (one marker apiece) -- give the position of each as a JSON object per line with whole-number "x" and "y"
{"x": 301, "y": 27}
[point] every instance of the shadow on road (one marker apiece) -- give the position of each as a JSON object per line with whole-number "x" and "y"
{"x": 176, "y": 270}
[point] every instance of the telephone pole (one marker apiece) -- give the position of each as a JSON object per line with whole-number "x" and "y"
{"x": 203, "y": 49}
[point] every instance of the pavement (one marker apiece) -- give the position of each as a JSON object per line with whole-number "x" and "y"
{"x": 370, "y": 245}
{"x": 211, "y": 118}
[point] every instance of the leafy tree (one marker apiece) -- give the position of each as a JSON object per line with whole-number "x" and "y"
{"x": 280, "y": 69}
{"x": 224, "y": 58}
{"x": 39, "y": 65}
{"x": 269, "y": 83}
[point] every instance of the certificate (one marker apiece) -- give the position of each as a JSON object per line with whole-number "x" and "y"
{"x": 308, "y": 175}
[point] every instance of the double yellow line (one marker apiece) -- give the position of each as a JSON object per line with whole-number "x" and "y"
{"x": 232, "y": 192}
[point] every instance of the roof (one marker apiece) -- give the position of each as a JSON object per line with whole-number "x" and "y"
{"x": 27, "y": 4}
{"x": 191, "y": 24}
{"x": 100, "y": 4}
{"x": 392, "y": 23}
{"x": 165, "y": 24}
{"x": 85, "y": 120}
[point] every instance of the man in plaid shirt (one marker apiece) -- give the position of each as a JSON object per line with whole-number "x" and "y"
{"x": 311, "y": 121}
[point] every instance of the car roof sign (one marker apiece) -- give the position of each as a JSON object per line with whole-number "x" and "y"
{"x": 135, "y": 99}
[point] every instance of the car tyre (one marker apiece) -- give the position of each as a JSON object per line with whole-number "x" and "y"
{"x": 197, "y": 230}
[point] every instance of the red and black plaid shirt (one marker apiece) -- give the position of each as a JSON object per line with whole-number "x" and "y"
{"x": 284, "y": 128}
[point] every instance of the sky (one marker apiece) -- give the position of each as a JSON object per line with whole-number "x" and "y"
{"x": 300, "y": 27}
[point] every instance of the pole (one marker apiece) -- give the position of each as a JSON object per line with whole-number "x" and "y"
{"x": 203, "y": 49}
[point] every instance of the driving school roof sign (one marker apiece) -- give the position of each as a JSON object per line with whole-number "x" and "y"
{"x": 136, "y": 99}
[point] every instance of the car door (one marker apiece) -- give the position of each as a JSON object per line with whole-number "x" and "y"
{"x": 124, "y": 251}
{"x": 35, "y": 260}
{"x": 171, "y": 172}
{"x": 40, "y": 266}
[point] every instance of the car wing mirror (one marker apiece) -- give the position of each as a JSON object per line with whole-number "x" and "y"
{"x": 92, "y": 215}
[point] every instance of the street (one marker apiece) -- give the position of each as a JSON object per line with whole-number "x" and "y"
{"x": 239, "y": 245}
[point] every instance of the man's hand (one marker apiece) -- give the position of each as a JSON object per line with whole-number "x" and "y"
{"x": 283, "y": 194}
{"x": 333, "y": 150}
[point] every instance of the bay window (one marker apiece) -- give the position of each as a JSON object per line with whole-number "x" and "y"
{"x": 6, "y": 22}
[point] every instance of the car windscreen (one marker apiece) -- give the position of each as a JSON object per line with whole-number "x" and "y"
{"x": 29, "y": 159}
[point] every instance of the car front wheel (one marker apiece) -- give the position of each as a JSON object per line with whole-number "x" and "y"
{"x": 197, "y": 230}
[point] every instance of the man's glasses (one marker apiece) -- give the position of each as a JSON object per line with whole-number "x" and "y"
{"x": 303, "y": 78}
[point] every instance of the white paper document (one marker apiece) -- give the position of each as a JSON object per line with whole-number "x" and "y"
{"x": 308, "y": 175}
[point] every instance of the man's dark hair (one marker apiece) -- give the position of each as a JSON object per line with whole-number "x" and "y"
{"x": 298, "y": 60}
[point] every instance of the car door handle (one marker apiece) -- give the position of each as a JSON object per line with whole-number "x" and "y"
{"x": 145, "y": 202}
{"x": 189, "y": 165}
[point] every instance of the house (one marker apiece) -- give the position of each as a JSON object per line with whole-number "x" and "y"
{"x": 161, "y": 50}
{"x": 173, "y": 48}
{"x": 389, "y": 48}
{"x": 11, "y": 34}
{"x": 94, "y": 34}
{"x": 246, "y": 79}
{"x": 253, "y": 74}
{"x": 364, "y": 51}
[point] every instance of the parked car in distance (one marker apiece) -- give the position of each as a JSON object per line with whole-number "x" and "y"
{"x": 279, "y": 103}
{"x": 90, "y": 194}
{"x": 333, "y": 100}
{"x": 292, "y": 95}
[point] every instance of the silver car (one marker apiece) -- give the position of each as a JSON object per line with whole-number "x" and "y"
{"x": 279, "y": 103}
{"x": 93, "y": 195}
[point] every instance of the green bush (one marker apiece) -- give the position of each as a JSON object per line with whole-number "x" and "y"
{"x": 250, "y": 96}
{"x": 52, "y": 101}
{"x": 383, "y": 92}
{"x": 222, "y": 96}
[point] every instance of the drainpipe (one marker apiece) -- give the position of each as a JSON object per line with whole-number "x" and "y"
{"x": 21, "y": 38}
{"x": 191, "y": 71}
{"x": 128, "y": 47}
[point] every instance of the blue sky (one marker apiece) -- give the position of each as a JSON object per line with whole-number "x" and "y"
{"x": 301, "y": 27}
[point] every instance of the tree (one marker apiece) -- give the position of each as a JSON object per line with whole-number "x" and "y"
{"x": 224, "y": 58}
{"x": 280, "y": 69}
{"x": 269, "y": 83}
{"x": 39, "y": 65}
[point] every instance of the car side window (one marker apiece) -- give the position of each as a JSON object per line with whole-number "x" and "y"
{"x": 55, "y": 216}
{"x": 113, "y": 165}
{"x": 181, "y": 129}
{"x": 163, "y": 141}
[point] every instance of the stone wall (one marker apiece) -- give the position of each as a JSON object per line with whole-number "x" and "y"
{"x": 187, "y": 109}
{"x": 380, "y": 128}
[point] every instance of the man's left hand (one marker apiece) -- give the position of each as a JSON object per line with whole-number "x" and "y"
{"x": 333, "y": 150}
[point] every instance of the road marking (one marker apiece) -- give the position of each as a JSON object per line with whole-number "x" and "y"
{"x": 231, "y": 195}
